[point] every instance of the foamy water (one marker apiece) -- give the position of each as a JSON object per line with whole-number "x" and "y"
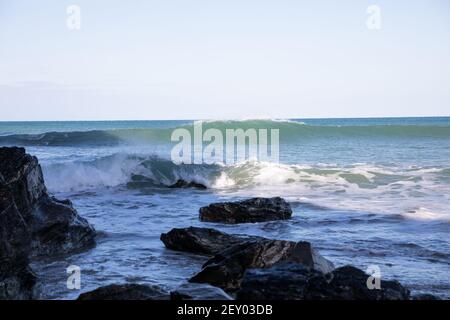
{"x": 367, "y": 191}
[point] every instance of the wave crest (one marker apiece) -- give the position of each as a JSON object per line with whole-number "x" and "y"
{"x": 362, "y": 187}
{"x": 289, "y": 130}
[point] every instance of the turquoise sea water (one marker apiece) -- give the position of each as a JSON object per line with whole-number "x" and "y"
{"x": 364, "y": 191}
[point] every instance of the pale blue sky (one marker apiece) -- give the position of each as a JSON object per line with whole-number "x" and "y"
{"x": 203, "y": 59}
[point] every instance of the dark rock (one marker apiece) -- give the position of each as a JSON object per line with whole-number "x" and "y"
{"x": 296, "y": 282}
{"x": 227, "y": 268}
{"x": 198, "y": 291}
{"x": 32, "y": 223}
{"x": 201, "y": 240}
{"x": 350, "y": 283}
{"x": 15, "y": 237}
{"x": 54, "y": 225}
{"x": 185, "y": 184}
{"x": 16, "y": 282}
{"x": 284, "y": 281}
{"x": 16, "y": 278}
{"x": 23, "y": 176}
{"x": 247, "y": 211}
{"x": 126, "y": 292}
{"x": 58, "y": 229}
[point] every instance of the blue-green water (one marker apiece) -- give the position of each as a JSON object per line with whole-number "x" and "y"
{"x": 364, "y": 191}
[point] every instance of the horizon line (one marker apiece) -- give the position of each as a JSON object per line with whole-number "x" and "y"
{"x": 227, "y": 119}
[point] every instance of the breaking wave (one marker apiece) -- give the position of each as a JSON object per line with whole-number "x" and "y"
{"x": 364, "y": 187}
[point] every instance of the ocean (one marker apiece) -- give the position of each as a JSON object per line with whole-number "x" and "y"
{"x": 364, "y": 192}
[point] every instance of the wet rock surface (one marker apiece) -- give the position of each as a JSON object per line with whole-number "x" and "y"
{"x": 226, "y": 269}
{"x": 256, "y": 268}
{"x": 16, "y": 278}
{"x": 289, "y": 281}
{"x": 126, "y": 292}
{"x": 201, "y": 240}
{"x": 247, "y": 211}
{"x": 58, "y": 229}
{"x": 32, "y": 223}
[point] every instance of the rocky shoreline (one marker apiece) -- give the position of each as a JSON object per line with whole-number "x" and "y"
{"x": 33, "y": 223}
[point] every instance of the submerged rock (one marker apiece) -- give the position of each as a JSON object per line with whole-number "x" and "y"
{"x": 185, "y": 184}
{"x": 226, "y": 269}
{"x": 126, "y": 292}
{"x": 290, "y": 281}
{"x": 32, "y": 222}
{"x": 247, "y": 211}
{"x": 138, "y": 181}
{"x": 201, "y": 240}
{"x": 199, "y": 291}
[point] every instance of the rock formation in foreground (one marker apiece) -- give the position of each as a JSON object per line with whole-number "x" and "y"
{"x": 16, "y": 278}
{"x": 32, "y": 223}
{"x": 201, "y": 240}
{"x": 289, "y": 281}
{"x": 247, "y": 211}
{"x": 256, "y": 268}
{"x": 226, "y": 269}
{"x": 234, "y": 254}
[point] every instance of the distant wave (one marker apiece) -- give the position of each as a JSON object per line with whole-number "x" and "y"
{"x": 289, "y": 131}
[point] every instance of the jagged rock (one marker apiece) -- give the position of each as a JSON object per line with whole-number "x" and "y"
{"x": 284, "y": 281}
{"x": 226, "y": 269}
{"x": 32, "y": 223}
{"x": 185, "y": 184}
{"x": 58, "y": 229}
{"x": 289, "y": 281}
{"x": 126, "y": 292}
{"x": 198, "y": 291}
{"x": 16, "y": 282}
{"x": 54, "y": 225}
{"x": 350, "y": 283}
{"x": 15, "y": 237}
{"x": 247, "y": 211}
{"x": 201, "y": 240}
{"x": 16, "y": 278}
{"x": 236, "y": 253}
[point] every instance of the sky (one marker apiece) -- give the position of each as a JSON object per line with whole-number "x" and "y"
{"x": 208, "y": 59}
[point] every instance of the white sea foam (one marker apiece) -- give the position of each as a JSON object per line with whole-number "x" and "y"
{"x": 363, "y": 187}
